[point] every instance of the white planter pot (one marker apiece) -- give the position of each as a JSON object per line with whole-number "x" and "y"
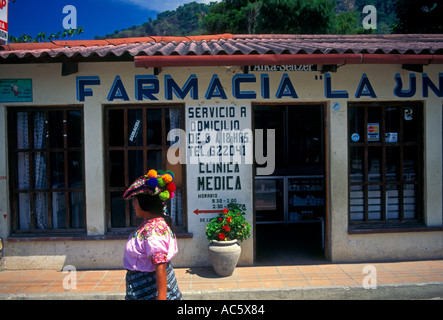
{"x": 224, "y": 256}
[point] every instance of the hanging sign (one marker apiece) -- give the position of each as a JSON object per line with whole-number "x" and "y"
{"x": 285, "y": 68}
{"x": 409, "y": 114}
{"x": 373, "y": 132}
{"x": 391, "y": 137}
{"x": 15, "y": 90}
{"x": 218, "y": 143}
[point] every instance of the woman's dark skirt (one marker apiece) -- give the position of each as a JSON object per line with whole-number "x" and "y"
{"x": 143, "y": 286}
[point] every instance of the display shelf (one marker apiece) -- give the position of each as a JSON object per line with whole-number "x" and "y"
{"x": 269, "y": 198}
{"x": 289, "y": 199}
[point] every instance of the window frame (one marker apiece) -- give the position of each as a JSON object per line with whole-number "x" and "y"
{"x": 144, "y": 148}
{"x": 287, "y": 168}
{"x": 14, "y": 190}
{"x": 383, "y": 222}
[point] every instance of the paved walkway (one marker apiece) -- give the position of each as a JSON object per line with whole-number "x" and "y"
{"x": 201, "y": 283}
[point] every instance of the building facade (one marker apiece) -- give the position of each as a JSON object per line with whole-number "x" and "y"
{"x": 338, "y": 138}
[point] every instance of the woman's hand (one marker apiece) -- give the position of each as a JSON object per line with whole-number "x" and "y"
{"x": 161, "y": 280}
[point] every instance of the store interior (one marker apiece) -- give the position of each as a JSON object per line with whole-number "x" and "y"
{"x": 290, "y": 204}
{"x": 293, "y": 244}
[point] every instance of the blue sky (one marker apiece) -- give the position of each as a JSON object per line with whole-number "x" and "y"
{"x": 97, "y": 17}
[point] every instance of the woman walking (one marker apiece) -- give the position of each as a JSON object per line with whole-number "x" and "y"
{"x": 152, "y": 246}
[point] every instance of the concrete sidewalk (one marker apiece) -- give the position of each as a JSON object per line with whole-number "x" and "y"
{"x": 392, "y": 280}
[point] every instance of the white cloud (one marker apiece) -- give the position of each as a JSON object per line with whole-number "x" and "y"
{"x": 162, "y": 5}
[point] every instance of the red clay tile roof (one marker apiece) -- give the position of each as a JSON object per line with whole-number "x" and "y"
{"x": 228, "y": 44}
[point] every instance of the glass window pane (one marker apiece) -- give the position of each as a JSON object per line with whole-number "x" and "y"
{"x": 411, "y": 116}
{"x": 40, "y": 173}
{"x": 39, "y": 122}
{"x": 374, "y": 125}
{"x": 395, "y": 195}
{"x": 154, "y": 159}
{"x": 357, "y": 164}
{"x": 74, "y": 129}
{"x": 76, "y": 202}
{"x": 135, "y": 221}
{"x": 75, "y": 169}
{"x": 117, "y": 168}
{"x": 356, "y": 124}
{"x": 393, "y": 164}
{"x": 374, "y": 203}
{"x": 410, "y": 164}
{"x": 135, "y": 127}
{"x": 43, "y": 171}
{"x": 175, "y": 206}
{"x": 277, "y": 135}
{"x": 410, "y": 201}
{"x": 154, "y": 126}
{"x": 305, "y": 136}
{"x": 56, "y": 129}
{"x": 22, "y": 181}
{"x": 172, "y": 121}
{"x": 357, "y": 202}
{"x": 272, "y": 117}
{"x": 116, "y": 127}
{"x": 57, "y": 165}
{"x": 392, "y": 124}
{"x": 269, "y": 200}
{"x": 58, "y": 210}
{"x": 135, "y": 166}
{"x": 24, "y": 211}
{"x": 118, "y": 206}
{"x": 392, "y": 202}
{"x": 374, "y": 164}
{"x": 41, "y": 210}
{"x": 22, "y": 130}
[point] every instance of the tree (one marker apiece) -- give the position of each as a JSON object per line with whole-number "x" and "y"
{"x": 347, "y": 22}
{"x": 418, "y": 16}
{"x": 183, "y": 21}
{"x": 228, "y": 16}
{"x": 270, "y": 16}
{"x": 41, "y": 37}
{"x": 296, "y": 16}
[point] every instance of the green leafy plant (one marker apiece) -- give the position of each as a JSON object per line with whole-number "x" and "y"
{"x": 229, "y": 224}
{"x": 41, "y": 37}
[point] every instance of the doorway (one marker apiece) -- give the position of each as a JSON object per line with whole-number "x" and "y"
{"x": 290, "y": 204}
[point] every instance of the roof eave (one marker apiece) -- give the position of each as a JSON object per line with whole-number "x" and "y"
{"x": 284, "y": 59}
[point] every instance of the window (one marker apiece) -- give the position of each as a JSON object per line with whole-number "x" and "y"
{"x": 136, "y": 141}
{"x": 385, "y": 163}
{"x": 46, "y": 169}
{"x": 299, "y": 131}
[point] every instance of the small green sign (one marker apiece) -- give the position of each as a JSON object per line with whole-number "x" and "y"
{"x": 15, "y": 90}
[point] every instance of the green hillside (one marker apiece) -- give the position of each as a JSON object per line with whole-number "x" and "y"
{"x": 288, "y": 16}
{"x": 184, "y": 21}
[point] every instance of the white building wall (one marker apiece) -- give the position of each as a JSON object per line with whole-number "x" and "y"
{"x": 96, "y": 251}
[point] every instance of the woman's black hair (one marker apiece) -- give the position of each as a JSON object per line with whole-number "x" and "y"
{"x": 154, "y": 205}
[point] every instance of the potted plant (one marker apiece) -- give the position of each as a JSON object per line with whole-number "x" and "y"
{"x": 224, "y": 232}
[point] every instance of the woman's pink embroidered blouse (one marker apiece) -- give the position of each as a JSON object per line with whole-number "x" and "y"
{"x": 152, "y": 243}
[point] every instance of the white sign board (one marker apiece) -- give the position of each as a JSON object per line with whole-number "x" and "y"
{"x": 3, "y": 21}
{"x": 219, "y": 161}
